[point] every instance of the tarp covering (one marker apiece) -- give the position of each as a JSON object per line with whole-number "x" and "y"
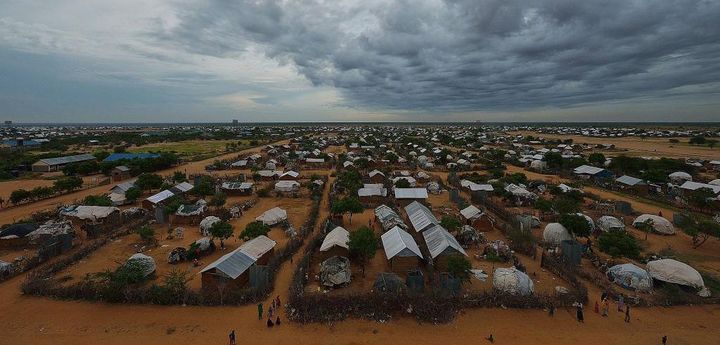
{"x": 512, "y": 281}
{"x": 609, "y": 223}
{"x": 389, "y": 283}
{"x": 207, "y": 223}
{"x": 89, "y": 212}
{"x": 19, "y": 230}
{"x": 676, "y": 272}
{"x": 147, "y": 262}
{"x": 335, "y": 271}
{"x": 659, "y": 224}
{"x": 631, "y": 277}
{"x": 272, "y": 216}
{"x": 555, "y": 233}
{"x": 51, "y": 229}
{"x": 337, "y": 237}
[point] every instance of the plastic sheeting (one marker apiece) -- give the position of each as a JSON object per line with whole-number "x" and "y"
{"x": 676, "y": 272}
{"x": 609, "y": 223}
{"x": 555, "y": 233}
{"x": 631, "y": 277}
{"x": 512, "y": 281}
{"x": 207, "y": 223}
{"x": 335, "y": 271}
{"x": 659, "y": 224}
{"x": 147, "y": 262}
{"x": 272, "y": 216}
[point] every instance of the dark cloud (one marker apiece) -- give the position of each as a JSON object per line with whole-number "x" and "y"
{"x": 474, "y": 54}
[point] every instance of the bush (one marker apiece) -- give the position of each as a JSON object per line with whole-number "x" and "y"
{"x": 459, "y": 267}
{"x": 363, "y": 245}
{"x": 619, "y": 243}
{"x": 146, "y": 233}
{"x": 133, "y": 194}
{"x": 576, "y": 224}
{"x": 450, "y": 223}
{"x": 97, "y": 200}
{"x": 255, "y": 229}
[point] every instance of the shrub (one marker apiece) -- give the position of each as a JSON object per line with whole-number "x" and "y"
{"x": 146, "y": 233}
{"x": 619, "y": 243}
{"x": 97, "y": 200}
{"x": 576, "y": 224}
{"x": 133, "y": 194}
{"x": 255, "y": 229}
{"x": 363, "y": 245}
{"x": 450, "y": 223}
{"x": 459, "y": 267}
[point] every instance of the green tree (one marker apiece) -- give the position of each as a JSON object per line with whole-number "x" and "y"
{"x": 67, "y": 184}
{"x": 450, "y": 223}
{"x": 347, "y": 205}
{"x": 133, "y": 194}
{"x": 575, "y": 224}
{"x": 222, "y": 230}
{"x": 205, "y": 186}
{"x": 363, "y": 245}
{"x": 564, "y": 204}
{"x": 179, "y": 176}
{"x": 255, "y": 229}
{"x": 402, "y": 183}
{"x": 97, "y": 200}
{"x": 392, "y": 157}
{"x": 554, "y": 160}
{"x": 18, "y": 196}
{"x": 149, "y": 181}
{"x": 619, "y": 243}
{"x": 702, "y": 198}
{"x": 146, "y": 233}
{"x": 218, "y": 199}
{"x": 701, "y": 231}
{"x": 596, "y": 158}
{"x": 459, "y": 267}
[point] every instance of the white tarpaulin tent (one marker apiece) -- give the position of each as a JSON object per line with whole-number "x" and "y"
{"x": 337, "y": 237}
{"x": 676, "y": 272}
{"x": 147, "y": 262}
{"x": 272, "y": 216}
{"x": 555, "y": 233}
{"x": 207, "y": 223}
{"x": 609, "y": 223}
{"x": 631, "y": 277}
{"x": 512, "y": 281}
{"x": 659, "y": 224}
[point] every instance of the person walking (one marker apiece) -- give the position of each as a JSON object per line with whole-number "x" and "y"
{"x": 232, "y": 337}
{"x": 605, "y": 307}
{"x": 270, "y": 311}
{"x": 277, "y": 321}
{"x": 627, "y": 313}
{"x": 579, "y": 312}
{"x": 270, "y": 323}
{"x": 621, "y": 303}
{"x": 260, "y": 311}
{"x": 664, "y": 340}
{"x": 551, "y": 310}
{"x": 597, "y": 308}
{"x": 277, "y": 300}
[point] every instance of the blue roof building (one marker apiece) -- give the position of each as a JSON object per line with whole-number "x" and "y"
{"x": 120, "y": 156}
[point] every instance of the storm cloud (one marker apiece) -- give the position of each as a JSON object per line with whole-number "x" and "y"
{"x": 471, "y": 55}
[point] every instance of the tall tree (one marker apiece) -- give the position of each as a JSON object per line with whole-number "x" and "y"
{"x": 363, "y": 245}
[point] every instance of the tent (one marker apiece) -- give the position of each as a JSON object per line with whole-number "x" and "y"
{"x": 676, "y": 272}
{"x": 389, "y": 283}
{"x": 148, "y": 263}
{"x": 630, "y": 276}
{"x": 207, "y": 223}
{"x": 18, "y": 230}
{"x": 272, "y": 216}
{"x": 337, "y": 237}
{"x": 555, "y": 233}
{"x": 659, "y": 224}
{"x": 679, "y": 177}
{"x": 512, "y": 281}
{"x": 610, "y": 223}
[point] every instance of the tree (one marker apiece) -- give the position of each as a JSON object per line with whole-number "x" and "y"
{"x": 255, "y": 229}
{"x": 176, "y": 283}
{"x": 564, "y": 204}
{"x": 179, "y": 176}
{"x": 363, "y": 245}
{"x": 543, "y": 205}
{"x": 698, "y": 140}
{"x": 97, "y": 200}
{"x": 619, "y": 243}
{"x": 459, "y": 267}
{"x": 702, "y": 198}
{"x": 18, "y": 196}
{"x": 133, "y": 194}
{"x": 67, "y": 184}
{"x": 701, "y": 231}
{"x": 392, "y": 157}
{"x": 596, "y": 158}
{"x": 450, "y": 223}
{"x": 554, "y": 160}
{"x": 149, "y": 181}
{"x": 222, "y": 230}
{"x": 146, "y": 233}
{"x": 218, "y": 200}
{"x": 205, "y": 186}
{"x": 349, "y": 205}
{"x": 575, "y": 224}
{"x": 402, "y": 183}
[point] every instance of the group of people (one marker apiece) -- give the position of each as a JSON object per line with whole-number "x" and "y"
{"x": 273, "y": 310}
{"x": 604, "y": 307}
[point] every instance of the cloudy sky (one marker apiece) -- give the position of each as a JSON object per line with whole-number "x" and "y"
{"x": 365, "y": 60}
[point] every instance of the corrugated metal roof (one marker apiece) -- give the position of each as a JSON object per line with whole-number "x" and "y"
{"x": 587, "y": 169}
{"x": 184, "y": 187}
{"x": 159, "y": 197}
{"x": 68, "y": 159}
{"x": 628, "y": 180}
{"x": 337, "y": 237}
{"x": 237, "y": 185}
{"x": 232, "y": 264}
{"x": 420, "y": 216}
{"x": 258, "y": 246}
{"x": 411, "y": 193}
{"x": 470, "y": 212}
{"x": 398, "y": 242}
{"x": 438, "y": 240}
{"x": 690, "y": 185}
{"x": 127, "y": 155}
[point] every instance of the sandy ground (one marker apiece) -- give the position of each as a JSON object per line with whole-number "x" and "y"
{"x": 634, "y": 146}
{"x": 30, "y": 320}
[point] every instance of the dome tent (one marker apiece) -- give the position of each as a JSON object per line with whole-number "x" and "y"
{"x": 512, "y": 281}
{"x": 207, "y": 223}
{"x": 147, "y": 262}
{"x": 610, "y": 223}
{"x": 679, "y": 177}
{"x": 715, "y": 182}
{"x": 631, "y": 277}
{"x": 659, "y": 224}
{"x": 555, "y": 233}
{"x": 676, "y": 272}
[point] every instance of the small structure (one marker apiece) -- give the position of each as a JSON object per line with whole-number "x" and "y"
{"x": 272, "y": 216}
{"x": 156, "y": 200}
{"x": 376, "y": 176}
{"x": 190, "y": 214}
{"x": 335, "y": 243}
{"x": 401, "y": 251}
{"x": 389, "y": 283}
{"x": 676, "y": 272}
{"x": 335, "y": 271}
{"x": 57, "y": 163}
{"x": 634, "y": 184}
{"x": 372, "y": 194}
{"x": 237, "y": 188}
{"x": 476, "y": 218}
{"x": 146, "y": 262}
{"x": 512, "y": 281}
{"x": 410, "y": 180}
{"x": 657, "y": 224}
{"x": 420, "y": 216}
{"x": 81, "y": 215}
{"x": 410, "y": 194}
{"x": 388, "y": 218}
{"x": 610, "y": 223}
{"x": 289, "y": 176}
{"x": 114, "y": 157}
{"x": 631, "y": 277}
{"x": 588, "y": 171}
{"x": 680, "y": 177}
{"x": 120, "y": 173}
{"x": 555, "y": 233}
{"x": 287, "y": 186}
{"x": 232, "y": 269}
{"x": 207, "y": 223}
{"x": 441, "y": 245}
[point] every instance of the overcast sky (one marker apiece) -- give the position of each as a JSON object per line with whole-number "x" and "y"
{"x": 365, "y": 60}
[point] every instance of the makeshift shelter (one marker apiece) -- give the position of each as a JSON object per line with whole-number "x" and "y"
{"x": 610, "y": 223}
{"x": 555, "y": 233}
{"x": 389, "y": 283}
{"x": 658, "y": 224}
{"x": 468, "y": 236}
{"x": 401, "y": 250}
{"x": 335, "y": 243}
{"x": 190, "y": 214}
{"x": 499, "y": 249}
{"x": 237, "y": 188}
{"x": 208, "y": 223}
{"x": 287, "y": 186}
{"x": 45, "y": 233}
{"x": 92, "y": 214}
{"x": 157, "y": 199}
{"x": 589, "y": 220}
{"x": 147, "y": 263}
{"x": 675, "y": 272}
{"x": 630, "y": 276}
{"x": 433, "y": 188}
{"x": 410, "y": 194}
{"x": 272, "y": 216}
{"x": 388, "y": 218}
{"x": 335, "y": 271}
{"x": 679, "y": 177}
{"x": 15, "y": 235}
{"x": 513, "y": 282}
{"x": 6, "y": 269}
{"x": 477, "y": 218}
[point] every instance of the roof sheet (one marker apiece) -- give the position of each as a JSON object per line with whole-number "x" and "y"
{"x": 127, "y": 155}
{"x": 398, "y": 242}
{"x": 68, "y": 159}
{"x": 411, "y": 193}
{"x": 420, "y": 216}
{"x": 337, "y": 237}
{"x": 438, "y": 240}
